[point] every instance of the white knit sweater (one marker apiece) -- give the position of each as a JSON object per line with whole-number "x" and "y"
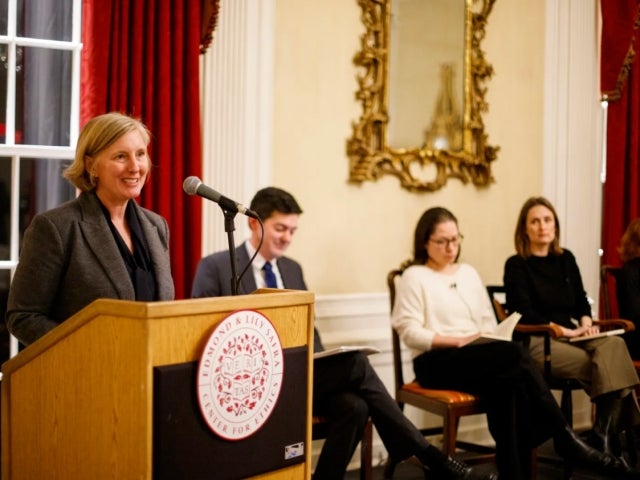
{"x": 429, "y": 303}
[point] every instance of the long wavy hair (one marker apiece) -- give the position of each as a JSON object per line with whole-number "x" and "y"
{"x": 630, "y": 242}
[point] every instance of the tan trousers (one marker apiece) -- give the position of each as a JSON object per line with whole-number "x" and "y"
{"x": 602, "y": 365}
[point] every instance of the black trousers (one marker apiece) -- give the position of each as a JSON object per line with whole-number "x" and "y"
{"x": 521, "y": 411}
{"x": 347, "y": 391}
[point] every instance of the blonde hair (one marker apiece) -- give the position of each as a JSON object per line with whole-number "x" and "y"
{"x": 99, "y": 133}
{"x": 630, "y": 243}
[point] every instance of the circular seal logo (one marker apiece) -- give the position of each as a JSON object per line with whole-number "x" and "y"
{"x": 240, "y": 375}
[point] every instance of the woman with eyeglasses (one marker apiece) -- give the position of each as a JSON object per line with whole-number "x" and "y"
{"x": 543, "y": 283}
{"x": 441, "y": 307}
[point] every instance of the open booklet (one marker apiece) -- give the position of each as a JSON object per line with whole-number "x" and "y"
{"x": 606, "y": 333}
{"x": 503, "y": 331}
{"x": 346, "y": 349}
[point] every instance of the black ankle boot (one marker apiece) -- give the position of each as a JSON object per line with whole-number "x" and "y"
{"x": 453, "y": 469}
{"x": 606, "y": 425}
{"x": 578, "y": 453}
{"x": 631, "y": 446}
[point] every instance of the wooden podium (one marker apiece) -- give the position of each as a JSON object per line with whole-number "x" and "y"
{"x": 78, "y": 403}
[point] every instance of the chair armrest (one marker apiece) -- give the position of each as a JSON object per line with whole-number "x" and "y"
{"x": 613, "y": 323}
{"x": 553, "y": 331}
{"x": 548, "y": 332}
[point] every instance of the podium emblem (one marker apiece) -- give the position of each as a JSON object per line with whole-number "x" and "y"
{"x": 240, "y": 375}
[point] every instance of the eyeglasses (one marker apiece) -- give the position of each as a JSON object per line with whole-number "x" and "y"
{"x": 445, "y": 242}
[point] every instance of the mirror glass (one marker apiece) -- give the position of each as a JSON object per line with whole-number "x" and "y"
{"x": 426, "y": 67}
{"x": 422, "y": 85}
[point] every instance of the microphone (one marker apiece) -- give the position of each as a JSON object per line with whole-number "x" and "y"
{"x": 193, "y": 186}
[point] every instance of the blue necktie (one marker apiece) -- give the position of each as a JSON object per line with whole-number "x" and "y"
{"x": 269, "y": 276}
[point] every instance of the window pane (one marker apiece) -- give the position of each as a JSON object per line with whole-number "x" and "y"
{"x": 4, "y": 8}
{"x": 5, "y": 210}
{"x": 42, "y": 187}
{"x": 47, "y": 108}
{"x": 4, "y": 334}
{"x": 3, "y": 89}
{"x": 46, "y": 19}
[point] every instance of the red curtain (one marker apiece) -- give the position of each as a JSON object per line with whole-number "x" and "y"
{"x": 140, "y": 57}
{"x": 620, "y": 81}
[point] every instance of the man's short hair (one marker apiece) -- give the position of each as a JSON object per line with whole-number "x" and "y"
{"x": 272, "y": 199}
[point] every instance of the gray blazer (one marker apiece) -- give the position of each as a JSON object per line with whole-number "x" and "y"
{"x": 69, "y": 258}
{"x": 213, "y": 275}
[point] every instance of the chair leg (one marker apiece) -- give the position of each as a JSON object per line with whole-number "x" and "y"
{"x": 366, "y": 456}
{"x": 534, "y": 463}
{"x": 389, "y": 468}
{"x": 449, "y": 434}
{"x": 566, "y": 405}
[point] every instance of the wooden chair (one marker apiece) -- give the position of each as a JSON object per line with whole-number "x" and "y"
{"x": 497, "y": 295}
{"x": 609, "y": 276}
{"x": 319, "y": 432}
{"x": 449, "y": 404}
{"x": 608, "y": 290}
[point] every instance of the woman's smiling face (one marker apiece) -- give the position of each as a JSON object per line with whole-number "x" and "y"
{"x": 121, "y": 169}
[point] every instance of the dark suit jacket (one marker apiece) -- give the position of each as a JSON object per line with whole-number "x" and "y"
{"x": 213, "y": 277}
{"x": 69, "y": 258}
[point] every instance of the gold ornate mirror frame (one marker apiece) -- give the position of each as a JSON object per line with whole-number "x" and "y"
{"x": 370, "y": 156}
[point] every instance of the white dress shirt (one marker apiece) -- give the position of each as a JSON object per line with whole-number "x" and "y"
{"x": 258, "y": 263}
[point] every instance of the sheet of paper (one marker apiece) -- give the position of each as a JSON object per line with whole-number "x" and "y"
{"x": 346, "y": 349}
{"x": 503, "y": 331}
{"x": 506, "y": 327}
{"x": 607, "y": 333}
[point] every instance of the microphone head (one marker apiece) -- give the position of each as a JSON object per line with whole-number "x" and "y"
{"x": 191, "y": 184}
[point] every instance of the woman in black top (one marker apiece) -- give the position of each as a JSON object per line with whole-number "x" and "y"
{"x": 628, "y": 284}
{"x": 543, "y": 283}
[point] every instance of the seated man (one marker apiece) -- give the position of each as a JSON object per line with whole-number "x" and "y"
{"x": 346, "y": 389}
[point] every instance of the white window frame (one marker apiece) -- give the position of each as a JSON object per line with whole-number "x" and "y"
{"x": 18, "y": 151}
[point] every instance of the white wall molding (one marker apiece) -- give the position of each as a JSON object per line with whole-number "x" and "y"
{"x": 352, "y": 304}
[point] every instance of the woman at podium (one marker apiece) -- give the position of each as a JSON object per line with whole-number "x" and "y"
{"x": 100, "y": 245}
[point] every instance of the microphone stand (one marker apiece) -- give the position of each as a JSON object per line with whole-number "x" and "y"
{"x": 229, "y": 227}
